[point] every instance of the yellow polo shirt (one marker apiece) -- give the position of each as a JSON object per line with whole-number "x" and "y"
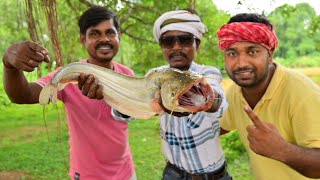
{"x": 292, "y": 104}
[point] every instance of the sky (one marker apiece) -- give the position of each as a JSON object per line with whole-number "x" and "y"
{"x": 258, "y": 6}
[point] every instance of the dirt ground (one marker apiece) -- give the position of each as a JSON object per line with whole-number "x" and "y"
{"x": 14, "y": 176}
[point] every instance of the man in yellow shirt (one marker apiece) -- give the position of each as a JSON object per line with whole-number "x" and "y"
{"x": 274, "y": 109}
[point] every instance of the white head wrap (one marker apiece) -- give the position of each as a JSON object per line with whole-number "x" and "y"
{"x": 183, "y": 20}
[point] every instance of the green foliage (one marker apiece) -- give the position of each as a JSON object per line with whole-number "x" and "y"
{"x": 299, "y": 62}
{"x": 209, "y": 54}
{"x": 4, "y": 101}
{"x": 12, "y": 27}
{"x": 236, "y": 156}
{"x": 232, "y": 146}
{"x": 68, "y": 31}
{"x": 297, "y": 30}
{"x": 305, "y": 61}
{"x": 293, "y": 25}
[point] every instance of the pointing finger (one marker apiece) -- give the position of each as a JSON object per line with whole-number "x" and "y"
{"x": 254, "y": 118}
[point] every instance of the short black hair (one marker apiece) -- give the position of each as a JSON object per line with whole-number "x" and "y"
{"x": 250, "y": 17}
{"x": 94, "y": 15}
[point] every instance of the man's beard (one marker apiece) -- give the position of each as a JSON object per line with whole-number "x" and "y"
{"x": 255, "y": 81}
{"x": 101, "y": 59}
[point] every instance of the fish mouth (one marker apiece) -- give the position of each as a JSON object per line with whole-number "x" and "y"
{"x": 197, "y": 96}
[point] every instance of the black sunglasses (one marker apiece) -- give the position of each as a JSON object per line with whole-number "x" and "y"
{"x": 183, "y": 40}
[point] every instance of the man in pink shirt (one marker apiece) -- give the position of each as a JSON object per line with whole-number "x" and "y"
{"x": 99, "y": 147}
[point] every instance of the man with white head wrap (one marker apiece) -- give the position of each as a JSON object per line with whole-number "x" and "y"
{"x": 179, "y": 20}
{"x": 190, "y": 142}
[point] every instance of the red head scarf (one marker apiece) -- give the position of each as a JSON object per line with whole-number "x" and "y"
{"x": 247, "y": 31}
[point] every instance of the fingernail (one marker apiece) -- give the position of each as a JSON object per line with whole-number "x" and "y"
{"x": 44, "y": 52}
{"x": 48, "y": 57}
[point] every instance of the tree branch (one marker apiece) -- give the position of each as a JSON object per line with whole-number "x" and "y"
{"x": 136, "y": 38}
{"x": 87, "y": 3}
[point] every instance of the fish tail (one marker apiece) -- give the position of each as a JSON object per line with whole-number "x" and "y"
{"x": 48, "y": 94}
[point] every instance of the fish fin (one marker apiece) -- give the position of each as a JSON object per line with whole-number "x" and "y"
{"x": 155, "y": 104}
{"x": 156, "y": 107}
{"x": 48, "y": 94}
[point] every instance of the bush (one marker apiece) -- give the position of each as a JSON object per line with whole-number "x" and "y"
{"x": 232, "y": 146}
{"x": 300, "y": 62}
{"x": 4, "y": 101}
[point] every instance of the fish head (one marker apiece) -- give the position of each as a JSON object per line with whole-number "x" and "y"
{"x": 186, "y": 91}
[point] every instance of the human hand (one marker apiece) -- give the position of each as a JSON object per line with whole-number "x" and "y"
{"x": 89, "y": 86}
{"x": 264, "y": 138}
{"x": 216, "y": 103}
{"x": 26, "y": 56}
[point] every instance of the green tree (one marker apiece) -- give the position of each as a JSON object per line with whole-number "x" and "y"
{"x": 292, "y": 26}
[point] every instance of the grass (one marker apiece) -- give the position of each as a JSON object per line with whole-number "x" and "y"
{"x": 26, "y": 148}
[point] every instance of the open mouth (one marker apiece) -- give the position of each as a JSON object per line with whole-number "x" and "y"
{"x": 197, "y": 97}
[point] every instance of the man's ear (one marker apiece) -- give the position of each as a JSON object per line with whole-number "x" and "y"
{"x": 119, "y": 35}
{"x": 82, "y": 39}
{"x": 270, "y": 56}
{"x": 198, "y": 42}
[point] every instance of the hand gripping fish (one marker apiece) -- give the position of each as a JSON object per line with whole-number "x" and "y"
{"x": 179, "y": 91}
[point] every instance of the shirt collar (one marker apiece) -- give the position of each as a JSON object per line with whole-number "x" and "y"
{"x": 193, "y": 66}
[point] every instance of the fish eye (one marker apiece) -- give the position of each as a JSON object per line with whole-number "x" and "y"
{"x": 172, "y": 94}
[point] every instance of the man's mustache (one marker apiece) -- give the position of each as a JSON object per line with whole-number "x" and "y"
{"x": 178, "y": 54}
{"x": 243, "y": 69}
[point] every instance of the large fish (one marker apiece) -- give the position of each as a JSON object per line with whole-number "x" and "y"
{"x": 179, "y": 91}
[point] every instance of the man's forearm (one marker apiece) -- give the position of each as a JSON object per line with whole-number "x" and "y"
{"x": 304, "y": 160}
{"x": 16, "y": 86}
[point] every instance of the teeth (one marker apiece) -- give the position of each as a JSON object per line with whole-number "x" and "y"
{"x": 176, "y": 55}
{"x": 246, "y": 73}
{"x": 104, "y": 47}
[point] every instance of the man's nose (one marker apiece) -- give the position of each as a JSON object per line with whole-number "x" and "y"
{"x": 176, "y": 45}
{"x": 242, "y": 60}
{"x": 104, "y": 38}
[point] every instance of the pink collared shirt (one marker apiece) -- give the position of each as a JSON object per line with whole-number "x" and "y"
{"x": 99, "y": 147}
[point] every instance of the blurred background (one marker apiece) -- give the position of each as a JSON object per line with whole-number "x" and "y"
{"x": 34, "y": 139}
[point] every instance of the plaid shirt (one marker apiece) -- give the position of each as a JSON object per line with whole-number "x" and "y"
{"x": 192, "y": 142}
